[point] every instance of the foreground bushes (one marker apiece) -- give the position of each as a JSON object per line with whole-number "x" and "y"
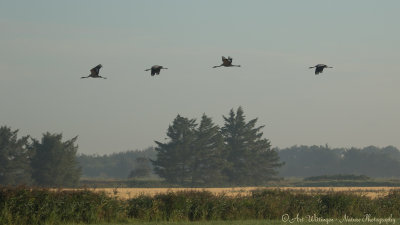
{"x": 267, "y": 204}
{"x": 41, "y": 206}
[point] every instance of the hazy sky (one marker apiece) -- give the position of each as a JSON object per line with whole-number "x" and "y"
{"x": 46, "y": 46}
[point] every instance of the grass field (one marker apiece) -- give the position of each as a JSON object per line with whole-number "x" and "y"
{"x": 248, "y": 222}
{"x": 127, "y": 193}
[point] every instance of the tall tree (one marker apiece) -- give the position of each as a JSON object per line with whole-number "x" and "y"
{"x": 251, "y": 157}
{"x": 208, "y": 159}
{"x": 54, "y": 163}
{"x": 14, "y": 158}
{"x": 174, "y": 157}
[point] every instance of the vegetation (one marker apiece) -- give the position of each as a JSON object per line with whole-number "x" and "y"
{"x": 371, "y": 161}
{"x": 300, "y": 161}
{"x": 338, "y": 177}
{"x": 237, "y": 222}
{"x": 244, "y": 222}
{"x": 42, "y": 206}
{"x": 265, "y": 204}
{"x": 295, "y": 182}
{"x": 235, "y": 154}
{"x": 142, "y": 168}
{"x": 14, "y": 158}
{"x": 214, "y": 158}
{"x": 116, "y": 165}
{"x": 349, "y": 183}
{"x": 49, "y": 162}
{"x": 208, "y": 155}
{"x": 174, "y": 160}
{"x": 251, "y": 159}
{"x": 54, "y": 163}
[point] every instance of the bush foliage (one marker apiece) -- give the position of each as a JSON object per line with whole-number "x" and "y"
{"x": 266, "y": 204}
{"x": 43, "y": 206}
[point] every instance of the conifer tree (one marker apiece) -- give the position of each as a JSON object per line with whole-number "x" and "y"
{"x": 14, "y": 158}
{"x": 208, "y": 159}
{"x": 54, "y": 163}
{"x": 252, "y": 160}
{"x": 174, "y": 157}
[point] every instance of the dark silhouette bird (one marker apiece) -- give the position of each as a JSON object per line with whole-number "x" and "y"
{"x": 319, "y": 68}
{"x": 94, "y": 73}
{"x": 155, "y": 70}
{"x": 227, "y": 62}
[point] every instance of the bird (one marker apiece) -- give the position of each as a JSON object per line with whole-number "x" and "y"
{"x": 319, "y": 68}
{"x": 227, "y": 62}
{"x": 155, "y": 70}
{"x": 94, "y": 72}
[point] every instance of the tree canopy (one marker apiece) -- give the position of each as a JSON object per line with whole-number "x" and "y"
{"x": 252, "y": 161}
{"x": 14, "y": 158}
{"x": 54, "y": 163}
{"x": 205, "y": 154}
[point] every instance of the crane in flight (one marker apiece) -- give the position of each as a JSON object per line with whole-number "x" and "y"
{"x": 94, "y": 72}
{"x": 319, "y": 68}
{"x": 227, "y": 62}
{"x": 156, "y": 69}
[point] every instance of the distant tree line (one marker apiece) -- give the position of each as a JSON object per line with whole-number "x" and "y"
{"x": 300, "y": 161}
{"x": 338, "y": 177}
{"x": 206, "y": 154}
{"x": 122, "y": 165}
{"x": 371, "y": 161}
{"x": 49, "y": 162}
{"x": 193, "y": 154}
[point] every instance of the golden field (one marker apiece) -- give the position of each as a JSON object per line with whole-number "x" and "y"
{"x": 126, "y": 193}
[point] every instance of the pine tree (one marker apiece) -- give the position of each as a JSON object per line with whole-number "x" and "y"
{"x": 174, "y": 157}
{"x": 54, "y": 163}
{"x": 14, "y": 158}
{"x": 252, "y": 160}
{"x": 208, "y": 160}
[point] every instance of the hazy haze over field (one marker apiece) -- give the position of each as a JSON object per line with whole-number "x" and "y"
{"x": 46, "y": 46}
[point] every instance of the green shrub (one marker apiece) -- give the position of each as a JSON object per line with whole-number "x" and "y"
{"x": 39, "y": 206}
{"x": 26, "y": 206}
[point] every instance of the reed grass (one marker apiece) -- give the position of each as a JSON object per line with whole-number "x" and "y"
{"x": 263, "y": 204}
{"x": 32, "y": 206}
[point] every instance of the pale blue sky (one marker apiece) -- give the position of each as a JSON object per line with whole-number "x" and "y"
{"x": 46, "y": 46}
